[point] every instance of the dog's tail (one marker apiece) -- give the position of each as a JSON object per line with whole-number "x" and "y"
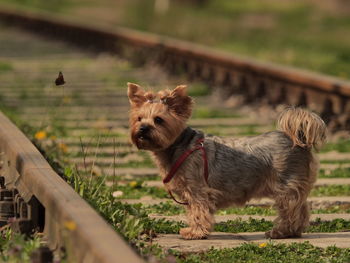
{"x": 305, "y": 128}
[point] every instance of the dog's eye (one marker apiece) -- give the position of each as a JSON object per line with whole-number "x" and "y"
{"x": 158, "y": 120}
{"x": 139, "y": 118}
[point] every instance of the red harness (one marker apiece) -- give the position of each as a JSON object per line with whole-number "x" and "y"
{"x": 181, "y": 159}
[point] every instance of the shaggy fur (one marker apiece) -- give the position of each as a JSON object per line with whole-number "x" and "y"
{"x": 279, "y": 164}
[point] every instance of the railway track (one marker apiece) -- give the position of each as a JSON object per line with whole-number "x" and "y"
{"x": 86, "y": 121}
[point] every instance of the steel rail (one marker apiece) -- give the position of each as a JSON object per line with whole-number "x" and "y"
{"x": 40, "y": 199}
{"x": 230, "y": 74}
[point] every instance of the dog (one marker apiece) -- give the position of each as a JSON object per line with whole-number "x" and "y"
{"x": 211, "y": 172}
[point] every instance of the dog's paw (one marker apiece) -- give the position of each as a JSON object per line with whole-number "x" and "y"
{"x": 275, "y": 234}
{"x": 189, "y": 233}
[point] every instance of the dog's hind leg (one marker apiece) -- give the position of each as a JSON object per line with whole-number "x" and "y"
{"x": 293, "y": 211}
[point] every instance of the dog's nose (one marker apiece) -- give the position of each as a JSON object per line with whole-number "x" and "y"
{"x": 144, "y": 129}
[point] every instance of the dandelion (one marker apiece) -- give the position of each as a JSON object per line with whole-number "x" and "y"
{"x": 53, "y": 137}
{"x": 70, "y": 225}
{"x": 133, "y": 184}
{"x": 40, "y": 135}
{"x": 263, "y": 245}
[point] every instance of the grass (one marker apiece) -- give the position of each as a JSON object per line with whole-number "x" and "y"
{"x": 5, "y": 67}
{"x": 16, "y": 247}
{"x": 132, "y": 220}
{"x": 254, "y": 225}
{"x": 331, "y": 190}
{"x": 347, "y": 161}
{"x": 304, "y": 34}
{"x": 238, "y": 225}
{"x": 268, "y": 252}
{"x": 197, "y": 89}
{"x": 169, "y": 208}
{"x": 205, "y": 112}
{"x": 56, "y": 6}
{"x": 134, "y": 164}
{"x": 336, "y": 209}
{"x": 241, "y": 130}
{"x": 336, "y": 173}
{"x": 130, "y": 192}
{"x": 341, "y": 146}
{"x": 156, "y": 192}
{"x": 248, "y": 210}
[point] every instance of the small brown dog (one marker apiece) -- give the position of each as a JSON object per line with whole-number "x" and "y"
{"x": 210, "y": 172}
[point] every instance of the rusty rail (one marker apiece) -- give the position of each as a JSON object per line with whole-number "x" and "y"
{"x": 40, "y": 199}
{"x": 230, "y": 74}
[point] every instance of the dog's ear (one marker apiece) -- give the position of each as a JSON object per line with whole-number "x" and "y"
{"x": 136, "y": 95}
{"x": 179, "y": 102}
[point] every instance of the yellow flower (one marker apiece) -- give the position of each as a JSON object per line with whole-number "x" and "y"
{"x": 70, "y": 225}
{"x": 263, "y": 245}
{"x": 53, "y": 137}
{"x": 67, "y": 100}
{"x": 40, "y": 135}
{"x": 63, "y": 147}
{"x": 133, "y": 184}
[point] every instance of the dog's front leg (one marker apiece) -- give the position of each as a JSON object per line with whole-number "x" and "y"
{"x": 200, "y": 220}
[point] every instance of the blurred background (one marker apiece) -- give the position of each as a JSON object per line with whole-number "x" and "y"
{"x": 309, "y": 34}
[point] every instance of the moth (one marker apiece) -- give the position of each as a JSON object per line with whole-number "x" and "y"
{"x": 60, "y": 79}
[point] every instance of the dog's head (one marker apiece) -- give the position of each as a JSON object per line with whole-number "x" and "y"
{"x": 156, "y": 120}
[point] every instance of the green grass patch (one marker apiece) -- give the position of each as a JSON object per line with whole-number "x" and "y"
{"x": 256, "y": 225}
{"x": 336, "y": 173}
{"x": 341, "y": 146}
{"x": 331, "y": 190}
{"x": 15, "y": 247}
{"x": 198, "y": 89}
{"x": 272, "y": 31}
{"x": 244, "y": 130}
{"x": 138, "y": 191}
{"x": 335, "y": 225}
{"x": 207, "y": 112}
{"x": 56, "y": 6}
{"x": 239, "y": 225}
{"x": 336, "y": 209}
{"x": 335, "y": 161}
{"x": 5, "y": 67}
{"x": 130, "y": 178}
{"x": 269, "y": 252}
{"x": 164, "y": 208}
{"x": 169, "y": 208}
{"x": 134, "y": 164}
{"x": 248, "y": 210}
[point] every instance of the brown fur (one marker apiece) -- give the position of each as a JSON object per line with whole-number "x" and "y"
{"x": 279, "y": 165}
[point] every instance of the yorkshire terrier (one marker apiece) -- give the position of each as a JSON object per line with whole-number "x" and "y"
{"x": 220, "y": 172}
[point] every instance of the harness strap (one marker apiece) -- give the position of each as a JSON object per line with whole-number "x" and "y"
{"x": 180, "y": 161}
